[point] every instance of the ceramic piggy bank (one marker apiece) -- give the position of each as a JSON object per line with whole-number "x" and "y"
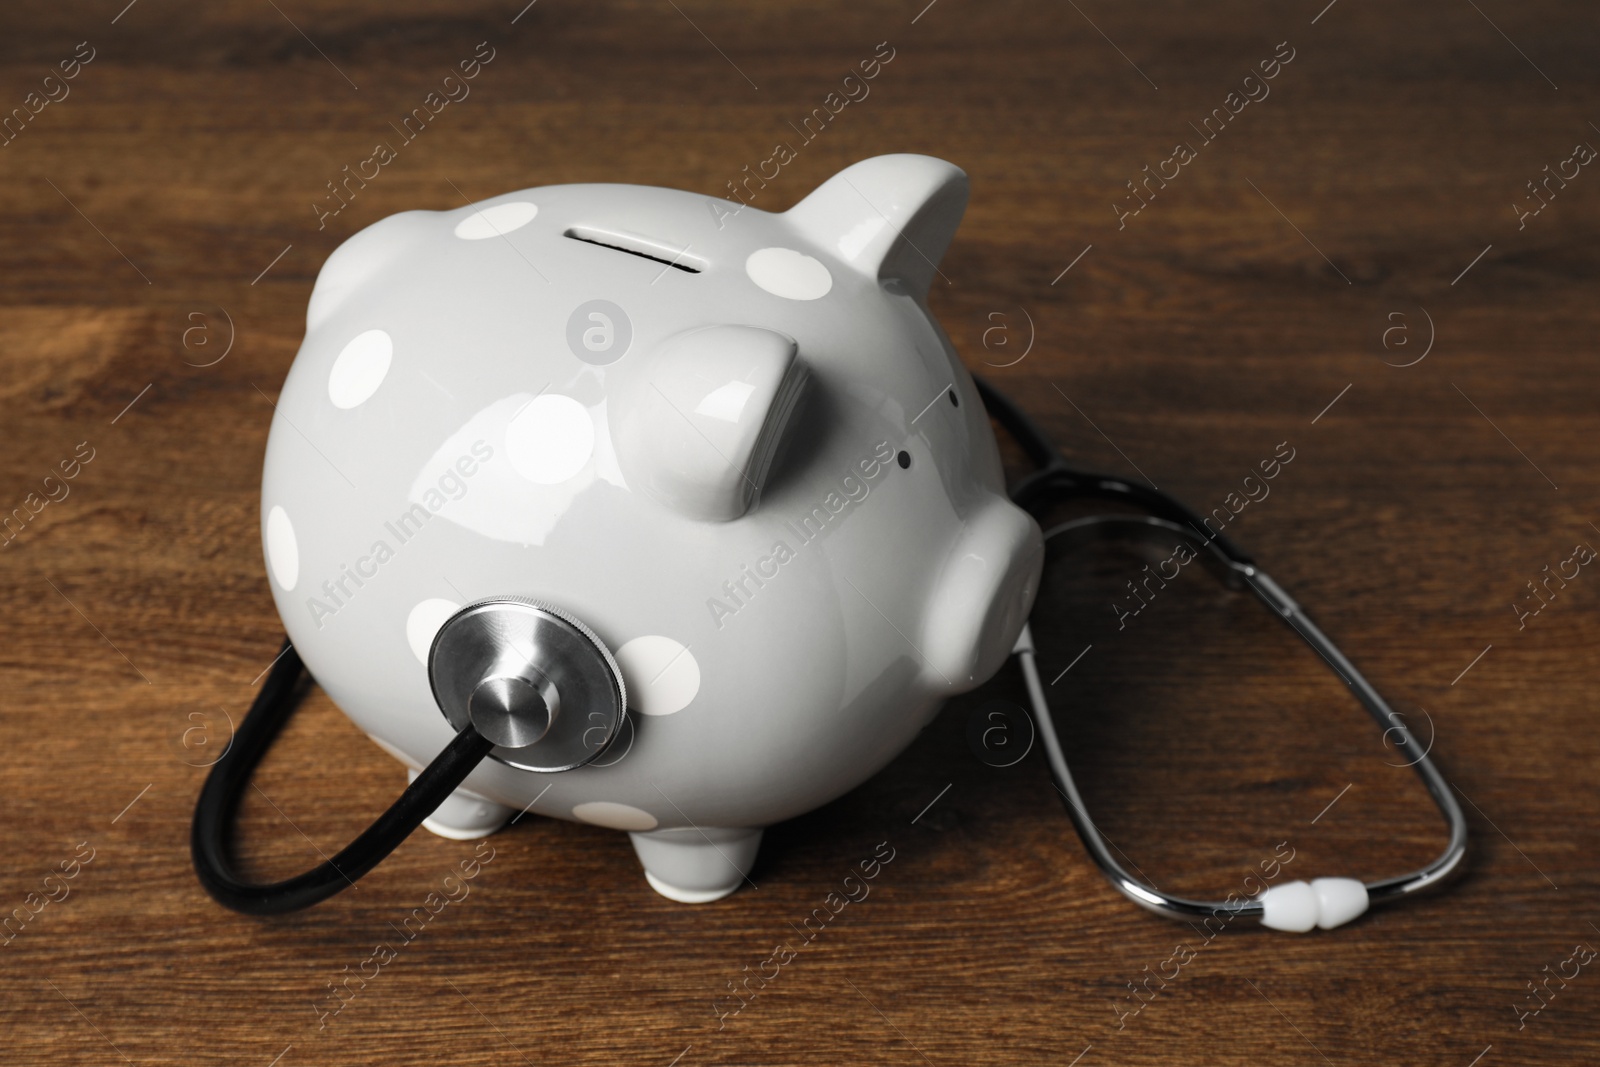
{"x": 733, "y": 500}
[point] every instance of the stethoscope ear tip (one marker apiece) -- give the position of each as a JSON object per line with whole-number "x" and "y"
{"x": 1301, "y": 906}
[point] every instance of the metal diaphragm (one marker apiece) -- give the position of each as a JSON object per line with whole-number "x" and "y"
{"x": 530, "y": 678}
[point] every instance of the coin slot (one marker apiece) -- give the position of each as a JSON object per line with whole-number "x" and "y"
{"x": 636, "y": 245}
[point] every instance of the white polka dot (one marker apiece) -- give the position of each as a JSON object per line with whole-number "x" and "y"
{"x": 424, "y": 622}
{"x": 496, "y": 220}
{"x": 662, "y": 676}
{"x": 616, "y": 816}
{"x": 360, "y": 368}
{"x": 551, "y": 439}
{"x": 789, "y": 274}
{"x": 283, "y": 551}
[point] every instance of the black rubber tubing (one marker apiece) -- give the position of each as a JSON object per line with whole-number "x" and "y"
{"x": 211, "y": 837}
{"x": 1054, "y": 481}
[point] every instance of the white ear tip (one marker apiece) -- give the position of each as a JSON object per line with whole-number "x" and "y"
{"x": 1299, "y": 906}
{"x": 1338, "y": 901}
{"x": 1291, "y": 906}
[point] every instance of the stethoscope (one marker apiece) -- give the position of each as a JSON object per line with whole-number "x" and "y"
{"x": 1299, "y": 905}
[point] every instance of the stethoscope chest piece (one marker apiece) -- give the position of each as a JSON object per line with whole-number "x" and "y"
{"x": 530, "y": 678}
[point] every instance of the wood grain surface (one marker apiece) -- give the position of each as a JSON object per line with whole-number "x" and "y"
{"x": 1351, "y": 265}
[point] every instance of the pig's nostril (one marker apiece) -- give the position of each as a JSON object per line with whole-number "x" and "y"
{"x": 904, "y": 459}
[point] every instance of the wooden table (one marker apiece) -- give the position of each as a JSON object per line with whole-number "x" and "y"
{"x": 1343, "y": 267}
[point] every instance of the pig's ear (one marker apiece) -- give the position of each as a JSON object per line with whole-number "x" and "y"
{"x": 366, "y": 254}
{"x": 698, "y": 421}
{"x": 890, "y": 217}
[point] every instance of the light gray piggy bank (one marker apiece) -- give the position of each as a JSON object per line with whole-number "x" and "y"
{"x": 732, "y": 449}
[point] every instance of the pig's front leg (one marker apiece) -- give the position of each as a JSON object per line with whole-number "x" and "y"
{"x": 696, "y": 865}
{"x": 464, "y": 816}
